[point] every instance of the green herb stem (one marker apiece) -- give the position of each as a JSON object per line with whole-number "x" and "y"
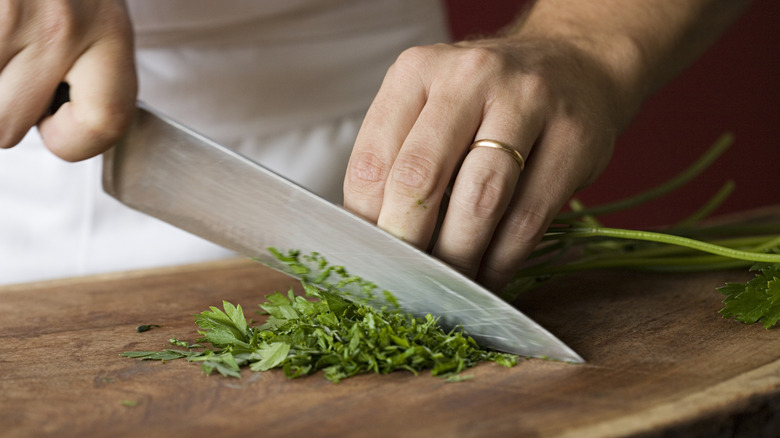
{"x": 648, "y": 256}
{"x": 668, "y": 264}
{"x": 732, "y": 230}
{"x": 723, "y": 143}
{"x": 654, "y": 249}
{"x": 669, "y": 239}
{"x": 710, "y": 206}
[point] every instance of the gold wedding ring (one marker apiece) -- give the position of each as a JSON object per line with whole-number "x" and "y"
{"x": 495, "y": 144}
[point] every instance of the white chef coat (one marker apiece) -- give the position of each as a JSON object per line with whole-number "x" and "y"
{"x": 283, "y": 82}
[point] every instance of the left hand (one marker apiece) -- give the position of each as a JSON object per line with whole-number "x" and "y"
{"x": 85, "y": 43}
{"x": 551, "y": 101}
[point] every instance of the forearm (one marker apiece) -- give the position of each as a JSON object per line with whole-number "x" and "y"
{"x": 641, "y": 44}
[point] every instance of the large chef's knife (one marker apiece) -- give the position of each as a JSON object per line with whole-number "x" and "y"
{"x": 168, "y": 171}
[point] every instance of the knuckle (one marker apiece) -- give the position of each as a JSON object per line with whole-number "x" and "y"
{"x": 56, "y": 24}
{"x": 483, "y": 197}
{"x": 62, "y": 24}
{"x": 414, "y": 175}
{"x": 525, "y": 227}
{"x": 412, "y": 59}
{"x": 417, "y": 60}
{"x": 476, "y": 60}
{"x": 534, "y": 87}
{"x": 105, "y": 124}
{"x": 414, "y": 56}
{"x": 366, "y": 173}
{"x": 528, "y": 224}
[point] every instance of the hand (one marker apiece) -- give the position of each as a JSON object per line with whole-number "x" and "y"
{"x": 551, "y": 101}
{"x": 87, "y": 44}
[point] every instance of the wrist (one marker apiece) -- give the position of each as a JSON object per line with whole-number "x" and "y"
{"x": 639, "y": 45}
{"x": 619, "y": 58}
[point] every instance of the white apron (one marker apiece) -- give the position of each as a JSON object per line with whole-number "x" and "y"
{"x": 284, "y": 82}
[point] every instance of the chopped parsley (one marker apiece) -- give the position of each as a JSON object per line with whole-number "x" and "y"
{"x": 146, "y": 327}
{"x": 328, "y": 333}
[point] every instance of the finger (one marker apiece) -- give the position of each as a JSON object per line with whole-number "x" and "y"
{"x": 385, "y": 127}
{"x": 425, "y": 165}
{"x": 550, "y": 178}
{"x": 484, "y": 187}
{"x": 26, "y": 85}
{"x": 103, "y": 91}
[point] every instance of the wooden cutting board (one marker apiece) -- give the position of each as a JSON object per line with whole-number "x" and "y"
{"x": 660, "y": 361}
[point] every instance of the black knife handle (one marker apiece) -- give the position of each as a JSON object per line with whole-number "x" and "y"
{"x": 61, "y": 95}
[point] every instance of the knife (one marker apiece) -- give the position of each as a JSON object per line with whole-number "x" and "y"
{"x": 168, "y": 171}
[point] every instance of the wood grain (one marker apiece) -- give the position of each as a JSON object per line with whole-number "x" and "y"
{"x": 660, "y": 361}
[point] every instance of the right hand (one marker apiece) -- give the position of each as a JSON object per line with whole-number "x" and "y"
{"x": 550, "y": 100}
{"x": 86, "y": 43}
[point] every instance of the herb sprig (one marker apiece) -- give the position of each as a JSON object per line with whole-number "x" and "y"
{"x": 757, "y": 300}
{"x": 577, "y": 241}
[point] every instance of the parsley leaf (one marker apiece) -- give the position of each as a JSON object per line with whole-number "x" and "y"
{"x": 271, "y": 356}
{"x": 158, "y": 355}
{"x": 756, "y": 300}
{"x": 225, "y": 327}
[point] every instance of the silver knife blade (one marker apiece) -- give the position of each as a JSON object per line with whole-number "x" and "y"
{"x": 168, "y": 171}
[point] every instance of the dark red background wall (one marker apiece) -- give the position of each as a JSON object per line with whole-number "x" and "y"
{"x": 733, "y": 88}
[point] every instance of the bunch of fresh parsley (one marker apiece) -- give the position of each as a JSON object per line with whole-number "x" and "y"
{"x": 577, "y": 241}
